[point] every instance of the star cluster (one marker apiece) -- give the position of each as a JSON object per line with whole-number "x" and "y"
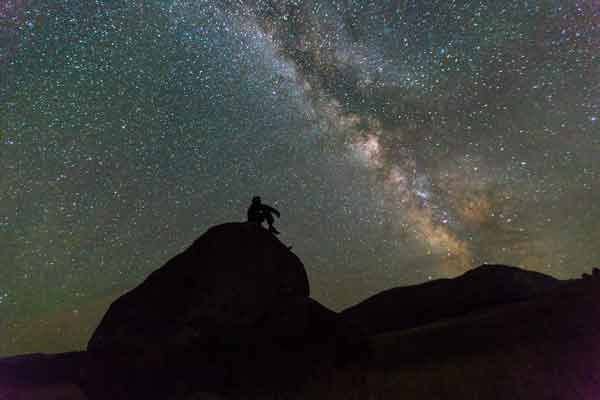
{"x": 402, "y": 141}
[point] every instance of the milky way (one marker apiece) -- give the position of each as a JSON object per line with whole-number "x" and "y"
{"x": 402, "y": 141}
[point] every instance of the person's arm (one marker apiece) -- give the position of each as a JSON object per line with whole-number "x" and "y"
{"x": 274, "y": 211}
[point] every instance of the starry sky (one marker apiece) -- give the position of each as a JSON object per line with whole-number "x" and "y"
{"x": 402, "y": 141}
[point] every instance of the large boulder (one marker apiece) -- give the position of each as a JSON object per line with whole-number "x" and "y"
{"x": 225, "y": 282}
{"x": 230, "y": 313}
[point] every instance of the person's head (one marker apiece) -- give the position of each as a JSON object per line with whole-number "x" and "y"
{"x": 256, "y": 199}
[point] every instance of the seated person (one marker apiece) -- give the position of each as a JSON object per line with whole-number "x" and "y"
{"x": 258, "y": 212}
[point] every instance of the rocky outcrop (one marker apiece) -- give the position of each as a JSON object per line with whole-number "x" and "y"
{"x": 231, "y": 311}
{"x": 544, "y": 348}
{"x": 483, "y": 287}
{"x": 231, "y": 318}
{"x": 227, "y": 280}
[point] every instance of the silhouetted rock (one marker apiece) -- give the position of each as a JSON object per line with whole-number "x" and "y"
{"x": 547, "y": 347}
{"x": 231, "y": 318}
{"x": 594, "y": 275}
{"x": 480, "y": 288}
{"x": 231, "y": 311}
{"x": 225, "y": 281}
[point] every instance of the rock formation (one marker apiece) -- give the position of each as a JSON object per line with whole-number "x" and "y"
{"x": 225, "y": 281}
{"x": 478, "y": 289}
{"x": 233, "y": 310}
{"x": 231, "y": 318}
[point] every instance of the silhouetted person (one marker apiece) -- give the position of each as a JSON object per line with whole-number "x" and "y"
{"x": 258, "y": 212}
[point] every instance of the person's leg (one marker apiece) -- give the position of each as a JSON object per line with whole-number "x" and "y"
{"x": 270, "y": 221}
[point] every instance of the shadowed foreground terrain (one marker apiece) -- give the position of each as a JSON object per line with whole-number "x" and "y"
{"x": 545, "y": 348}
{"x": 232, "y": 318}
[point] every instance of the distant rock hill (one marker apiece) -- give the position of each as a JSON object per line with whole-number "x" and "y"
{"x": 544, "y": 348}
{"x": 478, "y": 289}
{"x": 231, "y": 318}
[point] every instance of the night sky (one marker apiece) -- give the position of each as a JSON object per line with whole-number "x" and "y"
{"x": 402, "y": 141}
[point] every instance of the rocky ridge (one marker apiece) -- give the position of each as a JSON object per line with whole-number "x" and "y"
{"x": 231, "y": 317}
